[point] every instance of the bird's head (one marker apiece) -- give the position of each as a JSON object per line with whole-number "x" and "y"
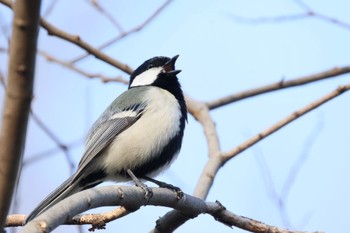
{"x": 153, "y": 70}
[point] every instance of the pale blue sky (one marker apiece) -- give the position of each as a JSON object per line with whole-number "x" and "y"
{"x": 218, "y": 56}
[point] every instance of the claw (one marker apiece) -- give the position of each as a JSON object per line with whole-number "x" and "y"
{"x": 179, "y": 192}
{"x": 148, "y": 191}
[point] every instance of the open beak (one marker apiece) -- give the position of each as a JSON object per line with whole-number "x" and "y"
{"x": 169, "y": 67}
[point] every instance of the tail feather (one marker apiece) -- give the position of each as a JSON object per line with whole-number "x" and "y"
{"x": 64, "y": 190}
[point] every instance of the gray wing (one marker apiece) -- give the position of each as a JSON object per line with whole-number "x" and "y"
{"x": 106, "y": 129}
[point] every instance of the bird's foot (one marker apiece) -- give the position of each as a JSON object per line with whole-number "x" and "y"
{"x": 179, "y": 192}
{"x": 148, "y": 191}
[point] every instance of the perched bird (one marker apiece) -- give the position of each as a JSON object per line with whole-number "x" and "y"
{"x": 138, "y": 135}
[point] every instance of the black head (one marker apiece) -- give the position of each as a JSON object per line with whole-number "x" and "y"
{"x": 152, "y": 70}
{"x": 160, "y": 72}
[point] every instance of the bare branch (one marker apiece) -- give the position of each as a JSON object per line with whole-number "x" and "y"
{"x": 5, "y": 29}
{"x": 275, "y": 19}
{"x": 132, "y": 198}
{"x": 46, "y": 153}
{"x": 2, "y": 80}
{"x": 173, "y": 219}
{"x": 48, "y": 132}
{"x": 54, "y": 138}
{"x": 3, "y": 50}
{"x": 251, "y": 224}
{"x": 104, "y": 12}
{"x": 71, "y": 66}
{"x": 18, "y": 97}
{"x": 127, "y": 33}
{"x": 16, "y": 220}
{"x": 103, "y": 218}
{"x": 295, "y": 170}
{"x": 235, "y": 151}
{"x": 75, "y": 39}
{"x": 279, "y": 86}
{"x": 302, "y": 4}
{"x": 201, "y": 112}
{"x": 309, "y": 12}
{"x": 330, "y": 19}
{"x": 312, "y": 13}
{"x": 50, "y": 8}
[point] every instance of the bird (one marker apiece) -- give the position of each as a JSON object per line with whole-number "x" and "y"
{"x": 136, "y": 137}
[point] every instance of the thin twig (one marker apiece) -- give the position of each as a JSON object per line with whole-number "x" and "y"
{"x": 235, "y": 151}
{"x": 46, "y": 153}
{"x": 174, "y": 218}
{"x": 3, "y": 50}
{"x": 295, "y": 170}
{"x": 309, "y": 12}
{"x": 71, "y": 66}
{"x": 48, "y": 132}
{"x": 127, "y": 33}
{"x": 2, "y": 80}
{"x": 262, "y": 20}
{"x": 96, "y": 5}
{"x": 56, "y": 140}
{"x": 5, "y": 29}
{"x": 281, "y": 199}
{"x": 75, "y": 39}
{"x": 50, "y": 8}
{"x": 279, "y": 86}
{"x": 312, "y": 13}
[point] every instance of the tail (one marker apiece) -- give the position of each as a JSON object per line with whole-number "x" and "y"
{"x": 69, "y": 187}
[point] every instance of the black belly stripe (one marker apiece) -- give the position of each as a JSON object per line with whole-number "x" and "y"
{"x": 158, "y": 161}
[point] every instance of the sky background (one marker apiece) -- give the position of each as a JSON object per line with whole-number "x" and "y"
{"x": 219, "y": 55}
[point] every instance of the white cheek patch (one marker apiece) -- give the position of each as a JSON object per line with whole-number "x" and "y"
{"x": 147, "y": 77}
{"x": 129, "y": 113}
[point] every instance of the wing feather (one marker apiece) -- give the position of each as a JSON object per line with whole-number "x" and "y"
{"x": 105, "y": 132}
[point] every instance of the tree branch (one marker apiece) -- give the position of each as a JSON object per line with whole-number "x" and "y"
{"x": 278, "y": 86}
{"x": 19, "y": 94}
{"x": 173, "y": 219}
{"x": 127, "y": 33}
{"x": 308, "y": 13}
{"x": 96, "y": 5}
{"x": 201, "y": 112}
{"x": 75, "y": 39}
{"x": 71, "y": 66}
{"x": 295, "y": 115}
{"x": 132, "y": 198}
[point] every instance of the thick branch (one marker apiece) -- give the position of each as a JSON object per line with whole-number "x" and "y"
{"x": 201, "y": 112}
{"x": 132, "y": 198}
{"x": 278, "y": 86}
{"x": 18, "y": 97}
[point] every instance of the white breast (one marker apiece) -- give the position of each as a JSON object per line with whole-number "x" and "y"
{"x": 158, "y": 124}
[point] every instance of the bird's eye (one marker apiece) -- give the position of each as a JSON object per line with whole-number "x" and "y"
{"x": 150, "y": 66}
